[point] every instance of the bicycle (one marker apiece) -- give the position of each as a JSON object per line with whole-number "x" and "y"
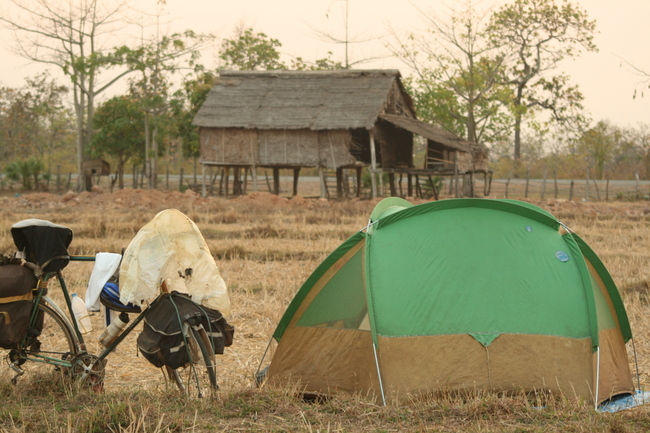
{"x": 53, "y": 339}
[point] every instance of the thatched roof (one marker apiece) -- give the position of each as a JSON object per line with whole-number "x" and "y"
{"x": 433, "y": 133}
{"x": 316, "y": 100}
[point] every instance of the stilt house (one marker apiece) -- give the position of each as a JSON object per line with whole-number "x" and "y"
{"x": 330, "y": 120}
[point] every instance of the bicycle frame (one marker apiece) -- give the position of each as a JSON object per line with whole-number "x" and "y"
{"x": 75, "y": 359}
{"x": 68, "y": 318}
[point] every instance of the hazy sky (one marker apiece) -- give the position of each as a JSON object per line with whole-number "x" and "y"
{"x": 604, "y": 78}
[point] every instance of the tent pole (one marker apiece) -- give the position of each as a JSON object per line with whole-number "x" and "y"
{"x": 636, "y": 364}
{"x": 262, "y": 361}
{"x": 381, "y": 384}
{"x": 597, "y": 376}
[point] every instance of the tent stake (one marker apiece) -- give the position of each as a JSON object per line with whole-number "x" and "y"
{"x": 381, "y": 385}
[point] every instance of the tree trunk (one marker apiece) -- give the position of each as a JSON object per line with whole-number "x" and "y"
{"x": 154, "y": 159}
{"x": 147, "y": 146}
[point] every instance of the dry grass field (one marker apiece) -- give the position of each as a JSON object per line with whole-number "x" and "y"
{"x": 265, "y": 247}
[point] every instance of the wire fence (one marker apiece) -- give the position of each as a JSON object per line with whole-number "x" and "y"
{"x": 533, "y": 189}
{"x": 576, "y": 190}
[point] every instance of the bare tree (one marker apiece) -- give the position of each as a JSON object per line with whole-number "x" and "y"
{"x": 73, "y": 36}
{"x": 458, "y": 71}
{"x": 347, "y": 40}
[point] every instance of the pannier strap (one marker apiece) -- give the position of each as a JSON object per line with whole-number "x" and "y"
{"x": 26, "y": 297}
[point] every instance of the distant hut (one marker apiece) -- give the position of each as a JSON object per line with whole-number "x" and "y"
{"x": 330, "y": 120}
{"x": 95, "y": 167}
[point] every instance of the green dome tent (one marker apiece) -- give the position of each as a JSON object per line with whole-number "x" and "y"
{"x": 457, "y": 294}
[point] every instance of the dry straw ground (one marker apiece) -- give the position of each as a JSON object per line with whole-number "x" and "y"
{"x": 265, "y": 247}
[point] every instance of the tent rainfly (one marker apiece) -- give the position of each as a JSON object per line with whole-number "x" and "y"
{"x": 454, "y": 295}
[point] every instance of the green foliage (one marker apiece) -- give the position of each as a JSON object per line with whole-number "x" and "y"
{"x": 608, "y": 148}
{"x": 324, "y": 64}
{"x": 119, "y": 131}
{"x": 34, "y": 120}
{"x": 184, "y": 106}
{"x": 119, "y": 128}
{"x": 156, "y": 61}
{"x": 435, "y": 103}
{"x": 29, "y": 172}
{"x": 249, "y": 51}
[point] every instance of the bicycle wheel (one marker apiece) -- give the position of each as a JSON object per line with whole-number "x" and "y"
{"x": 201, "y": 373}
{"x": 52, "y": 350}
{"x": 207, "y": 354}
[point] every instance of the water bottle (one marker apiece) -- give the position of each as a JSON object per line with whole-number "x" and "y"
{"x": 113, "y": 330}
{"x": 81, "y": 314}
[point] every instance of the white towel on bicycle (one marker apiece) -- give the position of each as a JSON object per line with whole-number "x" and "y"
{"x": 105, "y": 266}
{"x": 170, "y": 248}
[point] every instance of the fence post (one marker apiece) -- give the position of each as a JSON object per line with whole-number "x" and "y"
{"x": 636, "y": 176}
{"x": 607, "y": 190}
{"x": 544, "y": 182}
{"x": 555, "y": 182}
{"x": 507, "y": 185}
{"x": 571, "y": 191}
{"x": 180, "y": 181}
{"x": 527, "y": 182}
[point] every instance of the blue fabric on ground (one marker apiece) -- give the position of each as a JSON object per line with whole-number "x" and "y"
{"x": 625, "y": 402}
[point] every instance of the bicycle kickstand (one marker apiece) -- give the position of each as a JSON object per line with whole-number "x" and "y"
{"x": 19, "y": 372}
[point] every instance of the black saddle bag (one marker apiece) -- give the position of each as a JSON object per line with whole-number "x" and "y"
{"x": 162, "y": 342}
{"x": 17, "y": 283}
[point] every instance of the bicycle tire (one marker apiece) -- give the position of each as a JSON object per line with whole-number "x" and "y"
{"x": 207, "y": 354}
{"x": 56, "y": 342}
{"x": 202, "y": 367}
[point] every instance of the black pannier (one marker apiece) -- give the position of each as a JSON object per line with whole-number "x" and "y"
{"x": 161, "y": 341}
{"x": 16, "y": 285}
{"x": 14, "y": 322}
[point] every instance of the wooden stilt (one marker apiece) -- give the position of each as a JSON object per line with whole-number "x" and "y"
{"x": 276, "y": 181}
{"x": 296, "y": 173}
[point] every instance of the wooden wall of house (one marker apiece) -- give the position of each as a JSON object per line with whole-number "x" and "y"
{"x": 395, "y": 145}
{"x": 396, "y": 103}
{"x": 440, "y": 157}
{"x": 360, "y": 145}
{"x": 288, "y": 147}
{"x": 465, "y": 161}
{"x": 229, "y": 145}
{"x": 334, "y": 148}
{"x": 481, "y": 160}
{"x": 274, "y": 147}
